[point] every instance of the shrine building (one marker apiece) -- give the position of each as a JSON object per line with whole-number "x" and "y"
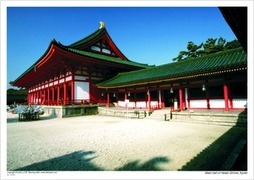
{"x": 216, "y": 81}
{"x": 67, "y": 75}
{"x": 94, "y": 71}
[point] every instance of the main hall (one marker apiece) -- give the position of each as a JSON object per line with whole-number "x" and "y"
{"x": 93, "y": 70}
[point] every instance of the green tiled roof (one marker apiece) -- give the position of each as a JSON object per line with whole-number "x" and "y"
{"x": 107, "y": 58}
{"x": 220, "y": 61}
{"x": 87, "y": 39}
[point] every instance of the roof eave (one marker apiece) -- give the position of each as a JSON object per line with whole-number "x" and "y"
{"x": 32, "y": 67}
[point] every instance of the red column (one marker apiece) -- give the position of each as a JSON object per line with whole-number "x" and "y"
{"x": 37, "y": 97}
{"x": 225, "y": 90}
{"x": 53, "y": 96}
{"x": 125, "y": 96}
{"x": 231, "y": 103}
{"x": 58, "y": 94}
{"x": 72, "y": 91}
{"x": 108, "y": 101}
{"x": 48, "y": 97}
{"x": 181, "y": 98}
{"x": 90, "y": 96}
{"x": 32, "y": 98}
{"x": 208, "y": 98}
{"x": 44, "y": 96}
{"x": 65, "y": 94}
{"x": 40, "y": 97}
{"x": 34, "y": 101}
{"x": 231, "y": 106}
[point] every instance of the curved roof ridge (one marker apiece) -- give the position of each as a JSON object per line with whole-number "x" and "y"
{"x": 105, "y": 57}
{"x": 87, "y": 38}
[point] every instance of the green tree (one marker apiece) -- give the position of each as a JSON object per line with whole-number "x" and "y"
{"x": 16, "y": 96}
{"x": 192, "y": 51}
{"x": 213, "y": 45}
{"x": 232, "y": 44}
{"x": 210, "y": 46}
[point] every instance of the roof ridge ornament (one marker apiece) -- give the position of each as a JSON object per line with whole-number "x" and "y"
{"x": 102, "y": 25}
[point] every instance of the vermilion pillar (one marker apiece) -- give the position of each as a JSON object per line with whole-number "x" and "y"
{"x": 108, "y": 99}
{"x": 125, "y": 96}
{"x": 48, "y": 96}
{"x": 208, "y": 98}
{"x": 72, "y": 90}
{"x": 225, "y": 90}
{"x": 181, "y": 99}
{"x": 35, "y": 93}
{"x": 53, "y": 96}
{"x": 65, "y": 93}
{"x": 37, "y": 97}
{"x": 40, "y": 97}
{"x": 44, "y": 96}
{"x": 58, "y": 94}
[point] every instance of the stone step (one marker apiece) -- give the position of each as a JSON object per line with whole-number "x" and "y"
{"x": 230, "y": 119}
{"x": 157, "y": 115}
{"x": 140, "y": 114}
{"x": 211, "y": 122}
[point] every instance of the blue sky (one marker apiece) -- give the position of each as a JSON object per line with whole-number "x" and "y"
{"x": 152, "y": 35}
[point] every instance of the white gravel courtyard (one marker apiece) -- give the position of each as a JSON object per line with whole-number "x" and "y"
{"x": 105, "y": 143}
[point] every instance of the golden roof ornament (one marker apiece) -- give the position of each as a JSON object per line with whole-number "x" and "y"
{"x": 102, "y": 24}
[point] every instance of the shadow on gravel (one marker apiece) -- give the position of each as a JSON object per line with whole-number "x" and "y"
{"x": 151, "y": 165}
{"x": 76, "y": 161}
{"x": 82, "y": 161}
{"x": 217, "y": 154}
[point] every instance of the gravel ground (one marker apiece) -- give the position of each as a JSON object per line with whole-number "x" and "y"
{"x": 105, "y": 143}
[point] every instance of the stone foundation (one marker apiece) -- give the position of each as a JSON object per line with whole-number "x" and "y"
{"x": 70, "y": 111}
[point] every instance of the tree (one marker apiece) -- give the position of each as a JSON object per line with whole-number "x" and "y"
{"x": 213, "y": 45}
{"x": 232, "y": 44}
{"x": 193, "y": 51}
{"x": 210, "y": 46}
{"x": 16, "y": 96}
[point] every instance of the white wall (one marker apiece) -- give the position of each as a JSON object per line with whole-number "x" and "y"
{"x": 240, "y": 103}
{"x": 217, "y": 103}
{"x": 81, "y": 90}
{"x": 139, "y": 104}
{"x": 198, "y": 103}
